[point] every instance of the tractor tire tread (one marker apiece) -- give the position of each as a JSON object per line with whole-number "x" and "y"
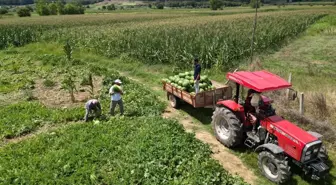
{"x": 236, "y": 130}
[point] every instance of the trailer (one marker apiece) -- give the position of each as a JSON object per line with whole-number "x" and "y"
{"x": 206, "y": 99}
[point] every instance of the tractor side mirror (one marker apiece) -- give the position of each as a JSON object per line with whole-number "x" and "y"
{"x": 291, "y": 94}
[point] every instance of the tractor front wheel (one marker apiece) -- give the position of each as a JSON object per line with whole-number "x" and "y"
{"x": 228, "y": 129}
{"x": 274, "y": 167}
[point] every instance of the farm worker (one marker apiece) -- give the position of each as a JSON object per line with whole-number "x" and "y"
{"x": 252, "y": 104}
{"x": 197, "y": 74}
{"x": 116, "y": 92}
{"x": 92, "y": 107}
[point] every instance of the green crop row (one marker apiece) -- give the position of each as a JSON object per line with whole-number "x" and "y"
{"x": 219, "y": 41}
{"x": 121, "y": 151}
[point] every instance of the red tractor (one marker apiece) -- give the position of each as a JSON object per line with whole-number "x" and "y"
{"x": 279, "y": 142}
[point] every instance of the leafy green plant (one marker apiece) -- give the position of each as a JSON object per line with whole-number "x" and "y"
{"x": 49, "y": 83}
{"x": 69, "y": 84}
{"x": 129, "y": 150}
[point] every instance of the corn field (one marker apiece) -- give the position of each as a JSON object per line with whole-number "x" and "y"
{"x": 219, "y": 41}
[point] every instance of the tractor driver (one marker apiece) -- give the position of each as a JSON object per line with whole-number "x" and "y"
{"x": 251, "y": 107}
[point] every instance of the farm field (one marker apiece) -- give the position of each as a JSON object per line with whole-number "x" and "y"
{"x": 42, "y": 129}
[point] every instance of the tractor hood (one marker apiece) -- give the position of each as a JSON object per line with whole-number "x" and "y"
{"x": 290, "y": 130}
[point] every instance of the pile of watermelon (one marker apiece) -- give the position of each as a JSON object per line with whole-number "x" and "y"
{"x": 185, "y": 82}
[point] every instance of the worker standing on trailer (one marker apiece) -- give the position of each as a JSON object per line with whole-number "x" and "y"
{"x": 197, "y": 74}
{"x": 116, "y": 93}
{"x": 92, "y": 107}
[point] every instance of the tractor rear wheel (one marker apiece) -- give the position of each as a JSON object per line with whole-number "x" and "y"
{"x": 227, "y": 127}
{"x": 323, "y": 154}
{"x": 274, "y": 167}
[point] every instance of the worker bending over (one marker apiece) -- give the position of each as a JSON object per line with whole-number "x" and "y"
{"x": 92, "y": 107}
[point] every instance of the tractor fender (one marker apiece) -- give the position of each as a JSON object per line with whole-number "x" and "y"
{"x": 232, "y": 105}
{"x": 275, "y": 149}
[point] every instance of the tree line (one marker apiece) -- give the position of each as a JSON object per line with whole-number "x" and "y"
{"x": 44, "y": 7}
{"x": 27, "y": 2}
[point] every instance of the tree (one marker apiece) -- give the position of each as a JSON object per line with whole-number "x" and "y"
{"x": 111, "y": 7}
{"x": 3, "y": 11}
{"x": 255, "y": 3}
{"x": 53, "y": 8}
{"x": 23, "y": 12}
{"x": 149, "y": 5}
{"x": 159, "y": 6}
{"x": 60, "y": 7}
{"x": 42, "y": 7}
{"x": 104, "y": 7}
{"x": 215, "y": 4}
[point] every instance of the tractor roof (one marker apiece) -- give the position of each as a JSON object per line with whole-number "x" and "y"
{"x": 259, "y": 80}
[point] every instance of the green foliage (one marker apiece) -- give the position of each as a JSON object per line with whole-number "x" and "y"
{"x": 72, "y": 8}
{"x": 67, "y": 48}
{"x": 255, "y": 3}
{"x": 24, "y": 117}
{"x": 49, "y": 83}
{"x": 111, "y": 7}
{"x": 3, "y": 11}
{"x": 104, "y": 7}
{"x": 159, "y": 5}
{"x": 53, "y": 8}
{"x": 42, "y": 7}
{"x": 69, "y": 84}
{"x": 215, "y": 4}
{"x": 120, "y": 151}
{"x": 23, "y": 12}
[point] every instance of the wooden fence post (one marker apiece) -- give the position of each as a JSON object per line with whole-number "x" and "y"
{"x": 289, "y": 81}
{"x": 301, "y": 103}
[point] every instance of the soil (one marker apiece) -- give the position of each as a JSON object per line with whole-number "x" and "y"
{"x": 57, "y": 97}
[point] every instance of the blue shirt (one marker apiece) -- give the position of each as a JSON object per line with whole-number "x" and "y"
{"x": 197, "y": 71}
{"x": 115, "y": 96}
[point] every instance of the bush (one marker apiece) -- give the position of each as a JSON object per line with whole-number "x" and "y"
{"x": 111, "y": 7}
{"x": 215, "y": 4}
{"x": 3, "y": 11}
{"x": 31, "y": 9}
{"x": 159, "y": 6}
{"x": 149, "y": 5}
{"x": 23, "y": 12}
{"x": 104, "y": 7}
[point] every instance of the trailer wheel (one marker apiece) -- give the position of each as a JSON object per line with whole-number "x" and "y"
{"x": 274, "y": 167}
{"x": 227, "y": 127}
{"x": 174, "y": 101}
{"x": 323, "y": 154}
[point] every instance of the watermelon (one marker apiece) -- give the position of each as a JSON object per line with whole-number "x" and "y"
{"x": 116, "y": 88}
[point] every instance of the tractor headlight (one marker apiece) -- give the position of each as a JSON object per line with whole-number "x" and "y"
{"x": 307, "y": 158}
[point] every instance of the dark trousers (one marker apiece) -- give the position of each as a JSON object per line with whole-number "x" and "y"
{"x": 113, "y": 106}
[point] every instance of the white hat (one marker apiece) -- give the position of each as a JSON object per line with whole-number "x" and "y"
{"x": 117, "y": 81}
